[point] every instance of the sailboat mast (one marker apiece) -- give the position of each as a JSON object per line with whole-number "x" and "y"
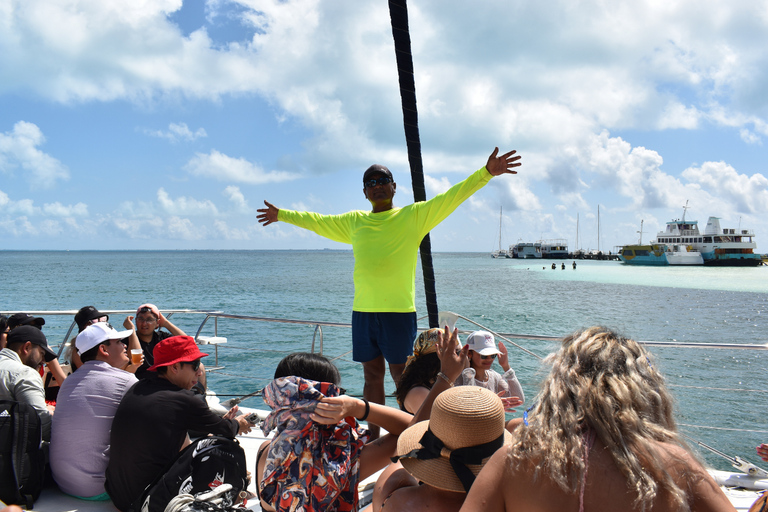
{"x": 598, "y": 228}
{"x": 500, "y": 210}
{"x": 577, "y": 231}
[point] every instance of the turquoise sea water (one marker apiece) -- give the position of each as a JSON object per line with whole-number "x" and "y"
{"x": 718, "y": 389}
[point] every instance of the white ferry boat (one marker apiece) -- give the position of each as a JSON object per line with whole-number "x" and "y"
{"x": 681, "y": 243}
{"x": 718, "y": 247}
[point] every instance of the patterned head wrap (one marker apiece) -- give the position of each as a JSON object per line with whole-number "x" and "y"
{"x": 425, "y": 344}
{"x": 310, "y": 467}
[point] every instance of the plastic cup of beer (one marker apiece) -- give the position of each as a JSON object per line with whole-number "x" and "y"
{"x": 136, "y": 355}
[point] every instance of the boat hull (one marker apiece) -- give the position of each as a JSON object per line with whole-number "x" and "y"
{"x": 651, "y": 255}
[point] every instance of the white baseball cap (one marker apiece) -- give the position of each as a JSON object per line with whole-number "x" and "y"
{"x": 98, "y": 333}
{"x": 483, "y": 343}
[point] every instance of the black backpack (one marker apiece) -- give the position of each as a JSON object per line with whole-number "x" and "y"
{"x": 200, "y": 467}
{"x": 22, "y": 455}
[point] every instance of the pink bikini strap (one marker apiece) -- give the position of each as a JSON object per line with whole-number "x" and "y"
{"x": 588, "y": 438}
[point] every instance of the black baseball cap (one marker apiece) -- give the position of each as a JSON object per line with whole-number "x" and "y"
{"x": 86, "y": 314}
{"x": 25, "y": 333}
{"x": 376, "y": 169}
{"x": 18, "y": 319}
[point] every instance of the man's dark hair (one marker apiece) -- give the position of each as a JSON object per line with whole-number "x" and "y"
{"x": 308, "y": 366}
{"x": 15, "y": 346}
{"x": 91, "y": 353}
{"x": 3, "y": 323}
{"x": 162, "y": 370}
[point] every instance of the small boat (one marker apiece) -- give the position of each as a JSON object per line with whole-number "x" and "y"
{"x": 683, "y": 255}
{"x": 554, "y": 249}
{"x": 644, "y": 254}
{"x": 526, "y": 250}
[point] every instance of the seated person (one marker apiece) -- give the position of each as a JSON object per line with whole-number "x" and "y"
{"x": 466, "y": 424}
{"x": 316, "y": 422}
{"x": 148, "y": 322}
{"x": 601, "y": 437}
{"x": 20, "y": 362}
{"x": 89, "y": 315}
{"x": 482, "y": 352}
{"x": 55, "y": 369}
{"x": 421, "y": 371}
{"x": 146, "y": 468}
{"x": 85, "y": 407}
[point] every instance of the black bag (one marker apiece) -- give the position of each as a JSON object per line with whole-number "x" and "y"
{"x": 22, "y": 454}
{"x": 204, "y": 465}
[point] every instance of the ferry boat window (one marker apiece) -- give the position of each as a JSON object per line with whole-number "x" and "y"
{"x": 707, "y": 239}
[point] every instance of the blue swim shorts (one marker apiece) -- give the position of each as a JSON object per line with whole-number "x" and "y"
{"x": 390, "y": 334}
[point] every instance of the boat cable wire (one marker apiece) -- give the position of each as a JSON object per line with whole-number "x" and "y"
{"x": 724, "y": 428}
{"x": 719, "y": 389}
{"x": 398, "y": 14}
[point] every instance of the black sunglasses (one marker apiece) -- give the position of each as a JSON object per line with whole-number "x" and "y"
{"x": 377, "y": 181}
{"x": 194, "y": 364}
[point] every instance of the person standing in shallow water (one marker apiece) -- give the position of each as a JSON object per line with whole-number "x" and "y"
{"x": 385, "y": 243}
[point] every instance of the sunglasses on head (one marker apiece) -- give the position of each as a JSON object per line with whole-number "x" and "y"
{"x": 377, "y": 181}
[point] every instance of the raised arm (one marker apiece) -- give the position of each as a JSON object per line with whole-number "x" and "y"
{"x": 513, "y": 385}
{"x": 164, "y": 322}
{"x": 268, "y": 215}
{"x": 133, "y": 344}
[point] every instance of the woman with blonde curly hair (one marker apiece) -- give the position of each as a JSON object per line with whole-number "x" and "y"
{"x": 601, "y": 437}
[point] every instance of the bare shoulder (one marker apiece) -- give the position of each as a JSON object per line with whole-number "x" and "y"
{"x": 705, "y": 494}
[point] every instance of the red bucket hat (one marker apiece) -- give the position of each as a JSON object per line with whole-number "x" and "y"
{"x": 176, "y": 349}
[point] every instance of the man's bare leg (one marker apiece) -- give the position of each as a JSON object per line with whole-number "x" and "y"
{"x": 396, "y": 371}
{"x": 373, "y": 390}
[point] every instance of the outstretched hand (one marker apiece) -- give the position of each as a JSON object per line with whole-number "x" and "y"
{"x": 509, "y": 402}
{"x": 503, "y": 164}
{"x": 268, "y": 215}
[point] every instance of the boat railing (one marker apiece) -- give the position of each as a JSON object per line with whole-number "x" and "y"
{"x": 317, "y": 338}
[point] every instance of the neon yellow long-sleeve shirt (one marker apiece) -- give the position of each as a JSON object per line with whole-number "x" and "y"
{"x": 385, "y": 244}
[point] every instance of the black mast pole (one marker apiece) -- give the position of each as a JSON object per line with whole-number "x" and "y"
{"x": 398, "y": 13}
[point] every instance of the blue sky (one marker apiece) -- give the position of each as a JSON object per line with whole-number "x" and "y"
{"x": 158, "y": 124}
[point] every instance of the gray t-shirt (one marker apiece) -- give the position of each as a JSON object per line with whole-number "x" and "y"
{"x": 85, "y": 407}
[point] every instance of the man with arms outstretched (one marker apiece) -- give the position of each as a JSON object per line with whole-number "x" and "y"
{"x": 385, "y": 243}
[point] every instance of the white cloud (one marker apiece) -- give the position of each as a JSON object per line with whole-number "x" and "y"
{"x": 237, "y": 199}
{"x": 435, "y": 186}
{"x": 59, "y": 210}
{"x": 177, "y": 132}
{"x": 749, "y": 137}
{"x": 185, "y": 206}
{"x": 225, "y": 168}
{"x": 19, "y": 149}
{"x": 749, "y": 194}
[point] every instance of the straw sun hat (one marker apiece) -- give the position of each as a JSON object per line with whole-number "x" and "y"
{"x": 468, "y": 417}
